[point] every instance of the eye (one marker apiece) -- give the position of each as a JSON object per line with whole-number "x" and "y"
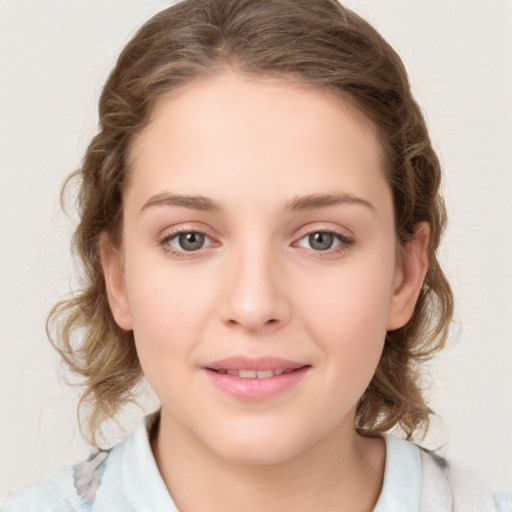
{"x": 189, "y": 241}
{"x": 181, "y": 242}
{"x": 322, "y": 241}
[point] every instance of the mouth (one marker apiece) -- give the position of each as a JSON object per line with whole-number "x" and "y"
{"x": 263, "y": 367}
{"x": 255, "y": 374}
{"x": 255, "y": 379}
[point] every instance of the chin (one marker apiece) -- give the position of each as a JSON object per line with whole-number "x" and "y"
{"x": 254, "y": 454}
{"x": 257, "y": 445}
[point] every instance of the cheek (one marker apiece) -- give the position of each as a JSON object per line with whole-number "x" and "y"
{"x": 348, "y": 301}
{"x": 167, "y": 309}
{"x": 346, "y": 313}
{"x": 166, "y": 323}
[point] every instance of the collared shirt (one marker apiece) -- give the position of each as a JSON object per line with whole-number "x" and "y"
{"x": 126, "y": 479}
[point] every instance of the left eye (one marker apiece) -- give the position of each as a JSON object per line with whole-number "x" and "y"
{"x": 322, "y": 240}
{"x": 187, "y": 241}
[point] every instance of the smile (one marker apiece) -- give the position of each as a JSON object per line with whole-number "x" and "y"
{"x": 254, "y": 374}
{"x": 255, "y": 379}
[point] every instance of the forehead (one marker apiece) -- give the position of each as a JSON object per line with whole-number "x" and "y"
{"x": 255, "y": 137}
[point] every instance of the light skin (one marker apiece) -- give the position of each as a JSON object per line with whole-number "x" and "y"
{"x": 281, "y": 172}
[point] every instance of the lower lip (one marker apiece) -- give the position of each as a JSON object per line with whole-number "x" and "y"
{"x": 253, "y": 388}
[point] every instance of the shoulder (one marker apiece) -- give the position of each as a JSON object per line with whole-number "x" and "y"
{"x": 54, "y": 493}
{"x": 123, "y": 478}
{"x": 451, "y": 485}
{"x": 423, "y": 480}
{"x": 71, "y": 488}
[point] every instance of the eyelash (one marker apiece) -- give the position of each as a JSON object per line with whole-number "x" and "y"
{"x": 165, "y": 242}
{"x": 345, "y": 242}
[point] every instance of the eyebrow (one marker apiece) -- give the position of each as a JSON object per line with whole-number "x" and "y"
{"x": 301, "y": 203}
{"x": 191, "y": 202}
{"x": 317, "y": 201}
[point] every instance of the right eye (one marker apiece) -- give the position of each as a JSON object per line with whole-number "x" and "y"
{"x": 181, "y": 242}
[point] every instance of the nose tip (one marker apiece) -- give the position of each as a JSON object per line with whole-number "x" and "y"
{"x": 255, "y": 296}
{"x": 252, "y": 321}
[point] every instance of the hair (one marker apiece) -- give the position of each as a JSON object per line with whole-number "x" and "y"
{"x": 314, "y": 42}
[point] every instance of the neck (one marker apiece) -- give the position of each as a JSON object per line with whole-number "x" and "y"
{"x": 340, "y": 473}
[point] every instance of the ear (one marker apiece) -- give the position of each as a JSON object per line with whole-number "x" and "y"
{"x": 410, "y": 273}
{"x": 113, "y": 272}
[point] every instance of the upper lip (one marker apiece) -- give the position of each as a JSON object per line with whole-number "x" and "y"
{"x": 254, "y": 363}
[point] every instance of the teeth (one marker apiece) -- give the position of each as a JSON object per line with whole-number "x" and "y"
{"x": 255, "y": 374}
{"x": 264, "y": 374}
{"x": 248, "y": 374}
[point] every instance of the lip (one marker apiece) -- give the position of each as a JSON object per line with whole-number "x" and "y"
{"x": 254, "y": 363}
{"x": 253, "y": 388}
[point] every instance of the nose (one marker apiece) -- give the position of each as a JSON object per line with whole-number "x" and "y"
{"x": 254, "y": 294}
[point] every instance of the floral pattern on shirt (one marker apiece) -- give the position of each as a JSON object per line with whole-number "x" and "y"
{"x": 87, "y": 476}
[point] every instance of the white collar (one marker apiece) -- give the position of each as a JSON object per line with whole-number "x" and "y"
{"x": 145, "y": 489}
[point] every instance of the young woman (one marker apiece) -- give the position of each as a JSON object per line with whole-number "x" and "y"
{"x": 259, "y": 221}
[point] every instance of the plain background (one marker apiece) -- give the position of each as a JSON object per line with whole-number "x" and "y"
{"x": 54, "y": 58}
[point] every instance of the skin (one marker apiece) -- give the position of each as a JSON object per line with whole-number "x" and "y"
{"x": 259, "y": 287}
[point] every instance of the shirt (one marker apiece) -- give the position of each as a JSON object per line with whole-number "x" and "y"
{"x": 126, "y": 479}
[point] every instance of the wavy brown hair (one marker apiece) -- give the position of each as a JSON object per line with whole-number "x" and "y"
{"x": 315, "y": 42}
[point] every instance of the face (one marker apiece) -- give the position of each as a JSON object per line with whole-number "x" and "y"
{"x": 258, "y": 268}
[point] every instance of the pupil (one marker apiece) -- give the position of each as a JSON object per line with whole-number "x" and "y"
{"x": 321, "y": 241}
{"x": 191, "y": 241}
